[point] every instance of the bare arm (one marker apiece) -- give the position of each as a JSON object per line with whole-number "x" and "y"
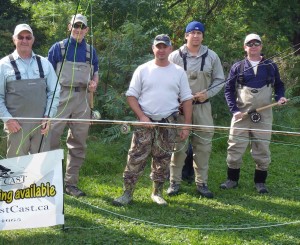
{"x": 187, "y": 112}
{"x": 134, "y": 105}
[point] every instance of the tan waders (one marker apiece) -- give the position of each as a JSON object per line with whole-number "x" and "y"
{"x": 249, "y": 99}
{"x": 74, "y": 103}
{"x": 26, "y": 98}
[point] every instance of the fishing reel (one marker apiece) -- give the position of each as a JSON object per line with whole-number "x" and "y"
{"x": 96, "y": 115}
{"x": 125, "y": 129}
{"x": 255, "y": 116}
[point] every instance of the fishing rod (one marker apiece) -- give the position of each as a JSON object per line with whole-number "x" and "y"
{"x": 153, "y": 124}
{"x": 259, "y": 64}
{"x": 95, "y": 114}
{"x": 57, "y": 81}
{"x": 255, "y": 115}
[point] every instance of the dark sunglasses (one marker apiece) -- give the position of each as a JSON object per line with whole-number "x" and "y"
{"x": 256, "y": 44}
{"x": 26, "y": 37}
{"x": 81, "y": 26}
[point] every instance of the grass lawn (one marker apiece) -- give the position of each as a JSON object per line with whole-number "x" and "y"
{"x": 239, "y": 216}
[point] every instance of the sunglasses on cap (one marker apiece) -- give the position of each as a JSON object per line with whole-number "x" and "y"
{"x": 251, "y": 44}
{"x": 20, "y": 37}
{"x": 79, "y": 25}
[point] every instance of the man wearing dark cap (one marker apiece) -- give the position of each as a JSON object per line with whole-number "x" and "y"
{"x": 27, "y": 89}
{"x": 250, "y": 86}
{"x": 76, "y": 63}
{"x": 153, "y": 96}
{"x": 205, "y": 74}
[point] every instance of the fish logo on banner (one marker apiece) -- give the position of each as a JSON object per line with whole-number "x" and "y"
{"x": 31, "y": 191}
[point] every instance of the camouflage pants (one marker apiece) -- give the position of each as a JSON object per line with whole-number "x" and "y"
{"x": 159, "y": 142}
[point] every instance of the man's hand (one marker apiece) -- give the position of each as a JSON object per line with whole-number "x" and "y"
{"x": 184, "y": 134}
{"x": 238, "y": 116}
{"x": 201, "y": 96}
{"x": 45, "y": 126}
{"x": 282, "y": 101}
{"x": 12, "y": 126}
{"x": 92, "y": 86}
{"x": 146, "y": 119}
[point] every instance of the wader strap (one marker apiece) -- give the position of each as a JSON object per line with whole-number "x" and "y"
{"x": 38, "y": 59}
{"x": 270, "y": 79}
{"x": 183, "y": 56}
{"x": 88, "y": 51}
{"x": 240, "y": 78}
{"x": 14, "y": 65}
{"x": 203, "y": 60}
{"x": 62, "y": 48}
{"x": 17, "y": 72}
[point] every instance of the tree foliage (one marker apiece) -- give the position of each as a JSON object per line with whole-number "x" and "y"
{"x": 10, "y": 14}
{"x": 122, "y": 32}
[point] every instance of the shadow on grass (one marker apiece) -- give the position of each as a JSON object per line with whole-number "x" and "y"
{"x": 242, "y": 213}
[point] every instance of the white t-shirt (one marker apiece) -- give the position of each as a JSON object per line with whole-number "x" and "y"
{"x": 157, "y": 89}
{"x": 254, "y": 65}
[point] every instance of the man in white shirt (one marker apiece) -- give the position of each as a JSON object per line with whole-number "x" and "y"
{"x": 153, "y": 96}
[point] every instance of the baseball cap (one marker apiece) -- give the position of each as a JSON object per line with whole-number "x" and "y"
{"x": 79, "y": 18}
{"x": 22, "y": 27}
{"x": 252, "y": 36}
{"x": 162, "y": 38}
{"x": 195, "y": 26}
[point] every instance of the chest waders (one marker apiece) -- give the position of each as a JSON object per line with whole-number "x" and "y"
{"x": 74, "y": 103}
{"x": 249, "y": 99}
{"x": 25, "y": 98}
{"x": 74, "y": 74}
{"x": 199, "y": 80}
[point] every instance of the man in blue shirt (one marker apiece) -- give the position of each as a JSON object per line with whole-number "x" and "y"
{"x": 76, "y": 63}
{"x": 27, "y": 90}
{"x": 250, "y": 86}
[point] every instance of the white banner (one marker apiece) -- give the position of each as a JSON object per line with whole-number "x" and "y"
{"x": 31, "y": 191}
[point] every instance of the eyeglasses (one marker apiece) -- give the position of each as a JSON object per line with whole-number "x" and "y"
{"x": 256, "y": 44}
{"x": 26, "y": 37}
{"x": 77, "y": 25}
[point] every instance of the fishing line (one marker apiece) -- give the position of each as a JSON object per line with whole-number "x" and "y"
{"x": 259, "y": 64}
{"x": 57, "y": 81}
{"x": 174, "y": 125}
{"x": 190, "y": 227}
{"x": 156, "y": 132}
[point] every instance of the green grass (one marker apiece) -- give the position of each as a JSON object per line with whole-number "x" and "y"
{"x": 239, "y": 216}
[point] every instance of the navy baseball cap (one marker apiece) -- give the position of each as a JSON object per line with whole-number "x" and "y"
{"x": 162, "y": 38}
{"x": 195, "y": 26}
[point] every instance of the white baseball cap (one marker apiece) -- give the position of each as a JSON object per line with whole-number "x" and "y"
{"x": 22, "y": 27}
{"x": 79, "y": 18}
{"x": 252, "y": 36}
